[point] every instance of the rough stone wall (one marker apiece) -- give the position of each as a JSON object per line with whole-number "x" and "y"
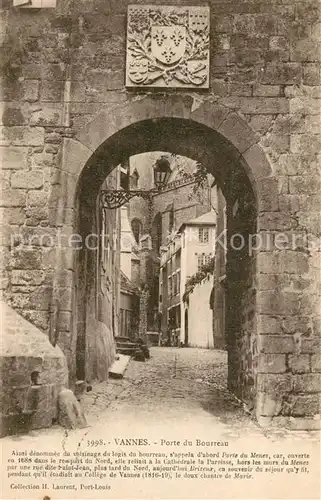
{"x": 33, "y": 372}
{"x": 62, "y": 66}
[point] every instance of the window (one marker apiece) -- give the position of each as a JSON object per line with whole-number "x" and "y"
{"x": 136, "y": 228}
{"x": 202, "y": 260}
{"x": 157, "y": 232}
{"x": 178, "y": 282}
{"x": 171, "y": 219}
{"x": 174, "y": 284}
{"x": 203, "y": 234}
{"x": 134, "y": 179}
{"x": 170, "y": 287}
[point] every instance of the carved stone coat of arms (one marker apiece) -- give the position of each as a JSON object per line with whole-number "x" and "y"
{"x": 167, "y": 46}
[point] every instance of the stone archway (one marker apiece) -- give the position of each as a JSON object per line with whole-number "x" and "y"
{"x": 222, "y": 141}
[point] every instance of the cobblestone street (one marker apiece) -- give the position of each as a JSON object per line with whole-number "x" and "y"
{"x": 175, "y": 385}
{"x": 177, "y": 388}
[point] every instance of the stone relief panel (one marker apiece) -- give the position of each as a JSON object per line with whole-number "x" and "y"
{"x": 167, "y": 46}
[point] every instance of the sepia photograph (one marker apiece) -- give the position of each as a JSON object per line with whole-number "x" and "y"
{"x": 160, "y": 249}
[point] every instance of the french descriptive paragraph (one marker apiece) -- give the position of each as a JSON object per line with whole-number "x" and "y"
{"x": 101, "y": 465}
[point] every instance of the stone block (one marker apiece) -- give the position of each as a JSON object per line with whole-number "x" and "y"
{"x": 233, "y": 129}
{"x": 32, "y": 179}
{"x": 304, "y": 105}
{"x": 30, "y": 90}
{"x": 35, "y": 215}
{"x": 36, "y": 198}
{"x": 260, "y": 123}
{"x": 21, "y": 136}
{"x": 308, "y": 184}
{"x": 273, "y": 344}
{"x": 271, "y": 363}
{"x": 24, "y": 258}
{"x": 42, "y": 160}
{"x": 14, "y": 215}
{"x": 258, "y": 105}
{"x": 303, "y": 406}
{"x": 289, "y": 203}
{"x": 274, "y": 383}
{"x": 267, "y": 191}
{"x": 78, "y": 92}
{"x": 221, "y": 23}
{"x": 39, "y": 298}
{"x": 268, "y": 404}
{"x": 316, "y": 362}
{"x": 281, "y": 74}
{"x": 312, "y": 124}
{"x": 268, "y": 282}
{"x": 309, "y": 345}
{"x": 296, "y": 164}
{"x": 44, "y": 237}
{"x": 241, "y": 89}
{"x": 285, "y": 303}
{"x": 13, "y": 157}
{"x": 267, "y": 262}
{"x": 44, "y": 71}
{"x": 266, "y": 90}
{"x": 12, "y": 115}
{"x": 65, "y": 298}
{"x": 13, "y": 198}
{"x": 311, "y": 74}
{"x": 47, "y": 115}
{"x": 304, "y": 424}
{"x": 299, "y": 363}
{"x": 29, "y": 277}
{"x": 306, "y": 142}
{"x": 244, "y": 23}
{"x": 53, "y": 138}
{"x": 307, "y": 382}
{"x": 51, "y": 90}
{"x": 278, "y": 143}
{"x": 305, "y": 51}
{"x": 246, "y": 56}
{"x": 293, "y": 324}
{"x": 268, "y": 324}
{"x": 38, "y": 318}
{"x": 64, "y": 321}
{"x": 255, "y": 156}
{"x": 276, "y": 221}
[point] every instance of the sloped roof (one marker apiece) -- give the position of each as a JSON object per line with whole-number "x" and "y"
{"x": 208, "y": 219}
{"x": 127, "y": 286}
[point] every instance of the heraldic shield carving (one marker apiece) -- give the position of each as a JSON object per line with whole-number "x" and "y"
{"x": 167, "y": 46}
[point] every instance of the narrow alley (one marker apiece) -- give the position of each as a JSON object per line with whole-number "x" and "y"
{"x": 182, "y": 390}
{"x": 175, "y": 387}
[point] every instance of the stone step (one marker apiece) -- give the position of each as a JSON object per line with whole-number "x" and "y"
{"x": 121, "y": 338}
{"x": 126, "y": 345}
{"x": 119, "y": 366}
{"x": 127, "y": 351}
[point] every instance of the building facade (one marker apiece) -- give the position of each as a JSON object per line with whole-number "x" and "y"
{"x": 182, "y": 259}
{"x": 68, "y": 120}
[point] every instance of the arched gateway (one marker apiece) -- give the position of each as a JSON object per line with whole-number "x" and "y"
{"x": 227, "y": 146}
